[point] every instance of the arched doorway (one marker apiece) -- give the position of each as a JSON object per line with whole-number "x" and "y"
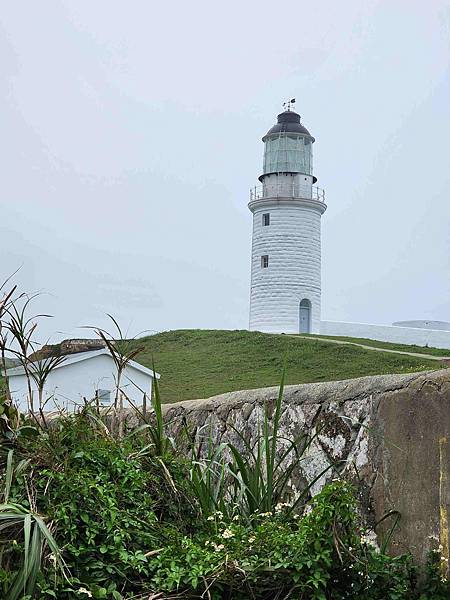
{"x": 305, "y": 316}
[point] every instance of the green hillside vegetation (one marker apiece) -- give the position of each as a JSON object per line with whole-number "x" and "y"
{"x": 197, "y": 363}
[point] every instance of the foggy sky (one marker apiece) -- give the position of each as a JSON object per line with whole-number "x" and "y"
{"x": 131, "y": 134}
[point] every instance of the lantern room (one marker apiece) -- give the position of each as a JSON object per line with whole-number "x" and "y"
{"x": 288, "y": 146}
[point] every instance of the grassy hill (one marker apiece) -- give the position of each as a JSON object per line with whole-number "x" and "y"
{"x": 200, "y": 363}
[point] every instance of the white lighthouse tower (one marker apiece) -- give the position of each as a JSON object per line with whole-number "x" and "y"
{"x": 286, "y": 249}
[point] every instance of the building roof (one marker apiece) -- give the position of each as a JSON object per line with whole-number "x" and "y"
{"x": 424, "y": 324}
{"x": 288, "y": 122}
{"x": 72, "y": 346}
{"x": 80, "y": 356}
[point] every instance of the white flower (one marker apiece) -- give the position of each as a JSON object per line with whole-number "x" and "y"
{"x": 227, "y": 533}
{"x": 279, "y": 507}
{"x": 370, "y": 538}
{"x": 219, "y": 514}
{"x": 207, "y": 543}
{"x": 218, "y": 547}
{"x": 210, "y": 518}
{"x": 266, "y": 514}
{"x": 85, "y": 591}
{"x": 236, "y": 518}
{"x": 251, "y": 539}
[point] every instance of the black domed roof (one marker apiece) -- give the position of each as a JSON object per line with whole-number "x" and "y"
{"x": 288, "y": 122}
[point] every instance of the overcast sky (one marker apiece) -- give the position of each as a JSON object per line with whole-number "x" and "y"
{"x": 131, "y": 134}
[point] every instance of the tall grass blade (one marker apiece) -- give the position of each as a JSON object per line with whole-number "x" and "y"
{"x": 8, "y": 475}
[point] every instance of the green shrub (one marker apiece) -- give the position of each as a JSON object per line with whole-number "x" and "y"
{"x": 129, "y": 526}
{"x": 109, "y": 505}
{"x": 317, "y": 557}
{"x": 436, "y": 586}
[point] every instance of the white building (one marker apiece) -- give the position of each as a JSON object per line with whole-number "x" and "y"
{"x": 286, "y": 248}
{"x": 83, "y": 376}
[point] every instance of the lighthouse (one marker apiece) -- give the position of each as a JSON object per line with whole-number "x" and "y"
{"x": 287, "y": 208}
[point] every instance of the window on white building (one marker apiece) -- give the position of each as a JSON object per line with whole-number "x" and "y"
{"x": 266, "y": 219}
{"x": 264, "y": 261}
{"x": 104, "y": 396}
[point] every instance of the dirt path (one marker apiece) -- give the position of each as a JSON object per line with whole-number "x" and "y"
{"x": 344, "y": 342}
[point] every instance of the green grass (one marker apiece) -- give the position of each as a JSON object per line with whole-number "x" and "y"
{"x": 201, "y": 363}
{"x": 387, "y": 345}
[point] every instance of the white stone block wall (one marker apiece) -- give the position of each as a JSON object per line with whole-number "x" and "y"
{"x": 388, "y": 333}
{"x": 292, "y": 242}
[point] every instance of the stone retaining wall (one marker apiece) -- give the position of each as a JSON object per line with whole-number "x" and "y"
{"x": 388, "y": 433}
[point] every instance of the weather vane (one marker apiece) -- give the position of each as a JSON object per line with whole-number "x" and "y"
{"x": 289, "y": 104}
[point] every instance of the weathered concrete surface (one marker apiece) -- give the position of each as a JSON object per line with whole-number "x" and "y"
{"x": 388, "y": 433}
{"x": 414, "y": 462}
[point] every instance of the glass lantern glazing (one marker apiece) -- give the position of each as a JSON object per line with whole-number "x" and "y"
{"x": 288, "y": 152}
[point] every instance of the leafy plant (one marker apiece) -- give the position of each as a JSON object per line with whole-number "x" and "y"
{"x": 9, "y": 418}
{"x": 29, "y": 536}
{"x": 153, "y": 428}
{"x": 255, "y": 478}
{"x": 436, "y": 585}
{"x": 6, "y": 299}
{"x": 17, "y": 331}
{"x": 106, "y": 501}
{"x": 210, "y": 479}
{"x": 262, "y": 472}
{"x": 35, "y": 536}
{"x": 319, "y": 556}
{"x": 122, "y": 352}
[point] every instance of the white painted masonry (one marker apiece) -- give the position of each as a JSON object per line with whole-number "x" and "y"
{"x": 292, "y": 240}
{"x": 80, "y": 376}
{"x": 388, "y": 333}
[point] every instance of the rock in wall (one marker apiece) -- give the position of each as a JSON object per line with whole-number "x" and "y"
{"x": 390, "y": 434}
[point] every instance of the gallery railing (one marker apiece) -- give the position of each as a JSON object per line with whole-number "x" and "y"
{"x": 287, "y": 190}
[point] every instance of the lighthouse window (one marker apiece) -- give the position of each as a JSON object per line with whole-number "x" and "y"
{"x": 264, "y": 261}
{"x": 266, "y": 219}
